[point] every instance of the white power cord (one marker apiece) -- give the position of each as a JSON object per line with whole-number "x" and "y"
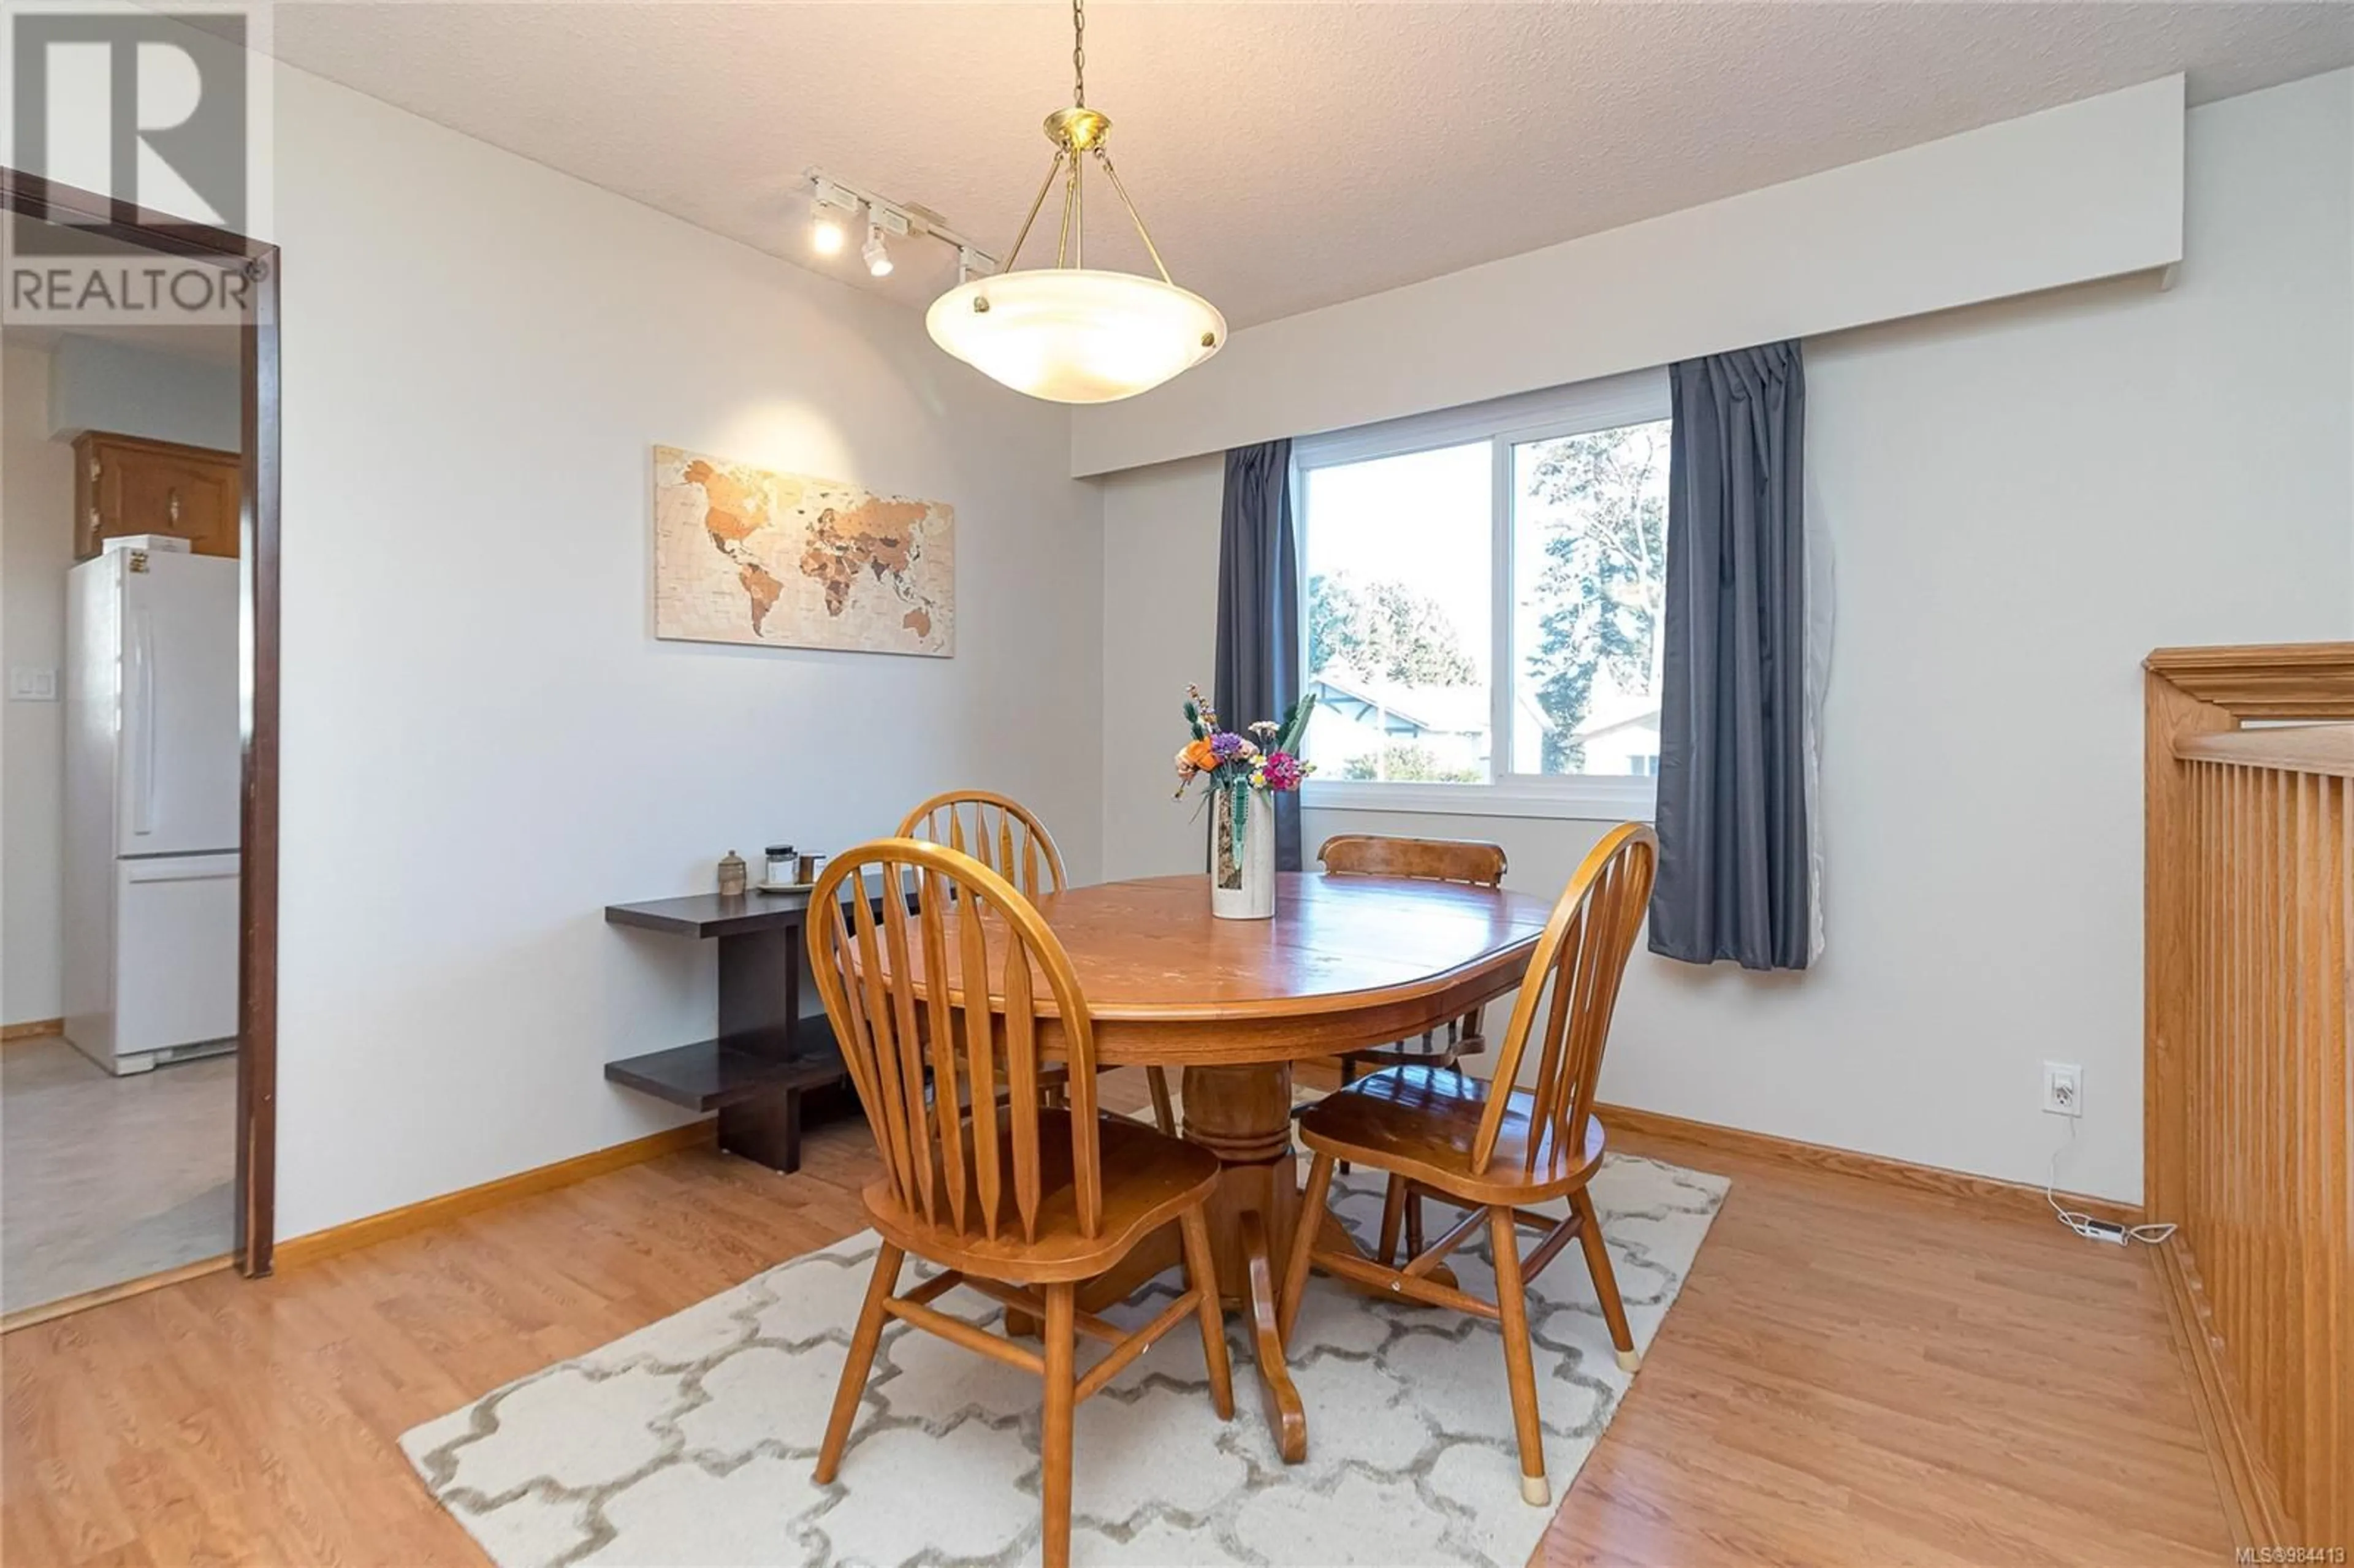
{"x": 2085, "y": 1224}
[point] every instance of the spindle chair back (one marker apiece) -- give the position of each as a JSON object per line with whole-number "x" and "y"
{"x": 914, "y": 1056}
{"x": 1573, "y": 976}
{"x": 995, "y": 829}
{"x": 1007, "y": 837}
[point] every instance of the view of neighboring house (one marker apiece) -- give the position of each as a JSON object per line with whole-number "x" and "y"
{"x": 1364, "y": 728}
{"x": 1621, "y": 735}
{"x": 1369, "y": 729}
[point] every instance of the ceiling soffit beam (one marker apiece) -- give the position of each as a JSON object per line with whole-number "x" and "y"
{"x": 2086, "y": 190}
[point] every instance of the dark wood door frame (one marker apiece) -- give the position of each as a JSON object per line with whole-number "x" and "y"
{"x": 257, "y": 990}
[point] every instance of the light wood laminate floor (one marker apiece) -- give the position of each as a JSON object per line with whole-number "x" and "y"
{"x": 1853, "y": 1374}
{"x": 104, "y": 1180}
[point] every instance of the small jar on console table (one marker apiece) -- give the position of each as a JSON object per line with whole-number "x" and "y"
{"x": 1242, "y": 772}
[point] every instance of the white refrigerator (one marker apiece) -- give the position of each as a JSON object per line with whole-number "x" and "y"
{"x": 152, "y": 783}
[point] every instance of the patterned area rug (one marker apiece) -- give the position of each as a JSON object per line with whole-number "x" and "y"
{"x": 691, "y": 1441}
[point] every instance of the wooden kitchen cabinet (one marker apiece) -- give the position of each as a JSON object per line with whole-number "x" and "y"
{"x": 127, "y": 485}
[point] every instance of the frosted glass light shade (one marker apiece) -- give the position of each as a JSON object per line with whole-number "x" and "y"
{"x": 1072, "y": 335}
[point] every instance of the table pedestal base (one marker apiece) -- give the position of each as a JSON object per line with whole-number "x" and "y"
{"x": 1242, "y": 1114}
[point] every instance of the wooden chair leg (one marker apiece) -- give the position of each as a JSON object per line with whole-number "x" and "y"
{"x": 1347, "y": 1076}
{"x": 1519, "y": 1367}
{"x": 1303, "y": 1242}
{"x": 1164, "y": 1110}
{"x": 862, "y": 1341}
{"x": 1413, "y": 1223}
{"x": 1055, "y": 1456}
{"x": 1392, "y": 1212}
{"x": 1606, "y": 1280}
{"x": 1201, "y": 1274}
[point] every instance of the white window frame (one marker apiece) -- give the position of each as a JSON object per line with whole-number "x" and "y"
{"x": 1632, "y": 398}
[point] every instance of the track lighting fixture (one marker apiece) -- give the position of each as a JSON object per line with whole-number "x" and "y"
{"x": 834, "y": 206}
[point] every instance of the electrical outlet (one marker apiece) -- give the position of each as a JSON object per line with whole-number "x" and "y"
{"x": 2063, "y": 1088}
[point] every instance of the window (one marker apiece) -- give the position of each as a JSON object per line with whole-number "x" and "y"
{"x": 1483, "y": 597}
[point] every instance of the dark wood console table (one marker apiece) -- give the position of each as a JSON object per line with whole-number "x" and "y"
{"x": 766, "y": 1056}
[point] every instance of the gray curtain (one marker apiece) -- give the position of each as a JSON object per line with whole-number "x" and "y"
{"x": 1733, "y": 878}
{"x": 1258, "y": 608}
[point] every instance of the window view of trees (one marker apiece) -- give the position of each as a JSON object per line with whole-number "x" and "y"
{"x": 1400, "y": 610}
{"x": 1594, "y": 507}
{"x": 1383, "y": 632}
{"x": 1404, "y": 586}
{"x": 1389, "y": 662}
{"x": 1408, "y": 763}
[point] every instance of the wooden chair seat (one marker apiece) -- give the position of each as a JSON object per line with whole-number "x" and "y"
{"x": 1431, "y": 1118}
{"x": 1148, "y": 1180}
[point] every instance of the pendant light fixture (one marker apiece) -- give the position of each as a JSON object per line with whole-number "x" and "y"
{"x": 1068, "y": 332}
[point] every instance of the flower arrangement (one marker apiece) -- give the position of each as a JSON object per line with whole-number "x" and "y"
{"x": 1267, "y": 757}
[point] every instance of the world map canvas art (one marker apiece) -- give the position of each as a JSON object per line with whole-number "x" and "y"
{"x": 745, "y": 555}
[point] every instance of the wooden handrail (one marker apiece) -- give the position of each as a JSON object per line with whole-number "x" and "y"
{"x": 2291, "y": 748}
{"x": 2249, "y": 909}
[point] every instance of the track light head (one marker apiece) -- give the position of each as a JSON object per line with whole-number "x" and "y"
{"x": 826, "y": 231}
{"x": 830, "y": 207}
{"x": 878, "y": 260}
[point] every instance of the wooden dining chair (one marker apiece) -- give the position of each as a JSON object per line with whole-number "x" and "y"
{"x": 1007, "y": 837}
{"x": 1014, "y": 1198}
{"x": 1493, "y": 1148}
{"x": 1469, "y": 861}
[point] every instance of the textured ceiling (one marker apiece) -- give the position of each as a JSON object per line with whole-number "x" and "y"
{"x": 1287, "y": 154}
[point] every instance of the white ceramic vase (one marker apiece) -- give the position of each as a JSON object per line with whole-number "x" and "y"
{"x": 1242, "y": 882}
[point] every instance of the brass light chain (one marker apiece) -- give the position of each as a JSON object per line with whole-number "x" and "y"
{"x": 1075, "y": 135}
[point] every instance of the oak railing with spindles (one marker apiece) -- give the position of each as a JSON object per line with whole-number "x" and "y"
{"x": 2246, "y": 1098}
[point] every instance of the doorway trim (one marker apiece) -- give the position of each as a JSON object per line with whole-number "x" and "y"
{"x": 257, "y": 423}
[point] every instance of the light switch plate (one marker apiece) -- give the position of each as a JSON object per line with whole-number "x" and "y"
{"x": 30, "y": 685}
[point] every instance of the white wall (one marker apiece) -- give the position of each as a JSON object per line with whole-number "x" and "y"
{"x": 2023, "y": 499}
{"x": 98, "y": 384}
{"x": 35, "y": 548}
{"x": 483, "y": 743}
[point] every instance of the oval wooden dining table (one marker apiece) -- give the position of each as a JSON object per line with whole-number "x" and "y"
{"x": 1346, "y": 962}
